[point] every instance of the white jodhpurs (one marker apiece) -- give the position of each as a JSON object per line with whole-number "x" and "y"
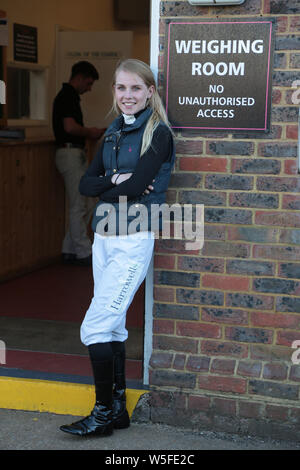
{"x": 120, "y": 265}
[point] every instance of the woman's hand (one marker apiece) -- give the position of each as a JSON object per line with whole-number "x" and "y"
{"x": 119, "y": 178}
{"x": 149, "y": 188}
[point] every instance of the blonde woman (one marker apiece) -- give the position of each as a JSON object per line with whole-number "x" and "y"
{"x": 134, "y": 162}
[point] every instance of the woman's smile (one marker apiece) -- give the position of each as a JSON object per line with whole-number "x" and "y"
{"x": 131, "y": 92}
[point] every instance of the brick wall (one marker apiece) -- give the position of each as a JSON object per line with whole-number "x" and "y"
{"x": 225, "y": 317}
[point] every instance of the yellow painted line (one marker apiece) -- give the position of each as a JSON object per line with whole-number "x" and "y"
{"x": 54, "y": 397}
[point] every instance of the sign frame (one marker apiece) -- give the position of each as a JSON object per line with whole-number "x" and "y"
{"x": 178, "y": 118}
{"x": 25, "y": 43}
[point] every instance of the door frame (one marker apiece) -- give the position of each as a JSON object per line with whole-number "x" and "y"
{"x": 148, "y": 329}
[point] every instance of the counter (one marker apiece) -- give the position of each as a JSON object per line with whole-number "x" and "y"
{"x": 32, "y": 206}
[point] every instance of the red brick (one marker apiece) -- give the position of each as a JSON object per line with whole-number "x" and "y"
{"x": 203, "y": 164}
{"x": 244, "y": 300}
{"x": 173, "y": 247}
{"x": 270, "y": 353}
{"x": 225, "y": 249}
{"x": 290, "y": 270}
{"x": 220, "y": 348}
{"x": 172, "y": 343}
{"x": 198, "y": 403}
{"x": 171, "y": 378}
{"x": 189, "y": 147}
{"x": 198, "y": 363}
{"x": 171, "y": 196}
{"x": 276, "y": 252}
{"x": 261, "y": 234}
{"x": 266, "y": 6}
{"x": 179, "y": 361}
{"x": 278, "y": 184}
{"x": 275, "y": 320}
{"x": 233, "y": 147}
{"x": 286, "y": 338}
{"x": 161, "y": 360}
{"x": 278, "y": 413}
{"x": 249, "y": 335}
{"x": 198, "y": 330}
{"x": 292, "y": 132}
{"x": 289, "y": 94}
{"x": 189, "y": 263}
{"x": 290, "y": 167}
{"x": 162, "y": 27}
{"x": 249, "y": 369}
{"x": 277, "y": 149}
{"x": 275, "y": 371}
{"x": 161, "y": 62}
{"x": 282, "y": 219}
{"x": 276, "y": 96}
{"x": 295, "y": 415}
{"x": 174, "y": 400}
{"x": 224, "y": 315}
{"x": 223, "y": 366}
{"x": 225, "y": 282}
{"x": 291, "y": 202}
{"x": 282, "y": 24}
{"x": 215, "y": 232}
{"x": 295, "y": 23}
{"x": 250, "y": 410}
{"x": 224, "y": 407}
{"x": 164, "y": 294}
{"x": 222, "y": 384}
{"x": 164, "y": 261}
{"x": 295, "y": 369}
{"x": 163, "y": 326}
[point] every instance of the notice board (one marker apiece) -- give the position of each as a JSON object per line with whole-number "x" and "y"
{"x": 25, "y": 43}
{"x": 218, "y": 74}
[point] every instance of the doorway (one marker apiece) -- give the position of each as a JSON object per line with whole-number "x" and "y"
{"x": 40, "y": 317}
{"x": 41, "y": 311}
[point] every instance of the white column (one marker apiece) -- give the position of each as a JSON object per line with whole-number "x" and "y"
{"x": 148, "y": 332}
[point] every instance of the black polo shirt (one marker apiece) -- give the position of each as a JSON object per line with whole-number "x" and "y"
{"x": 66, "y": 104}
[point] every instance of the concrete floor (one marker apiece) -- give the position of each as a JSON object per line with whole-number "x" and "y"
{"x": 23, "y": 430}
{"x": 61, "y": 337}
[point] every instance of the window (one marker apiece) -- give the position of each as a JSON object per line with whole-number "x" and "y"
{"x": 26, "y": 94}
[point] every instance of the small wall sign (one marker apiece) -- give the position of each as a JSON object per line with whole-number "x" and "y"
{"x": 25, "y": 43}
{"x": 218, "y": 74}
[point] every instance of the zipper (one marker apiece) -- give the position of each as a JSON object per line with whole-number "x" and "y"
{"x": 118, "y": 135}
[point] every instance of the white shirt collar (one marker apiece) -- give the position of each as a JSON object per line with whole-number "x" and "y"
{"x": 129, "y": 118}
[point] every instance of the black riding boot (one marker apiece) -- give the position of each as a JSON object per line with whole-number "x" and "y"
{"x": 120, "y": 414}
{"x": 100, "y": 421}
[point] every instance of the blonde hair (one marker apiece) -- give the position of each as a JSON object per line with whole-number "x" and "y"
{"x": 155, "y": 103}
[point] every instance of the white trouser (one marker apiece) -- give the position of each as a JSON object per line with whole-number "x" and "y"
{"x": 72, "y": 164}
{"x": 120, "y": 265}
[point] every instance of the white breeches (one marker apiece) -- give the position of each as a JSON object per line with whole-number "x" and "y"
{"x": 120, "y": 265}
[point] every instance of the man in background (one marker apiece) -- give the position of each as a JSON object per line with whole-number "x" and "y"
{"x": 70, "y": 158}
